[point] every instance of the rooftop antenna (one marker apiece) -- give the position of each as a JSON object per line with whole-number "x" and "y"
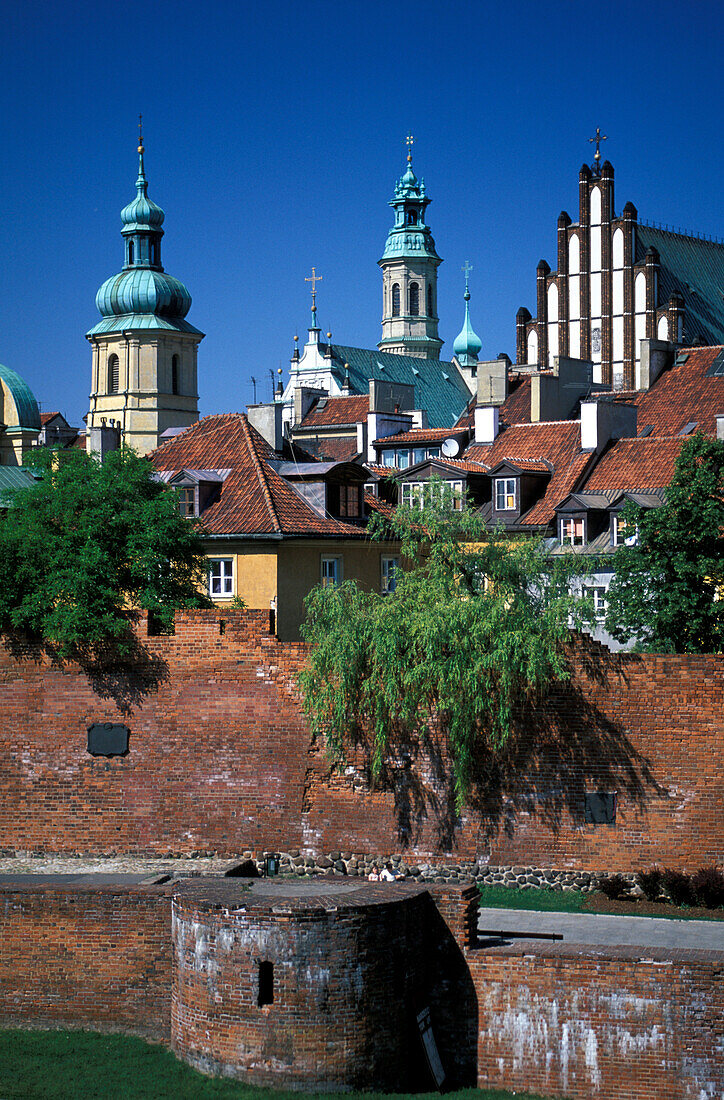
{"x": 253, "y": 382}
{"x": 271, "y": 375}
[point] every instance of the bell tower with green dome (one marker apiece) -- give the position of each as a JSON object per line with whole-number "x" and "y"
{"x": 409, "y": 273}
{"x": 144, "y": 372}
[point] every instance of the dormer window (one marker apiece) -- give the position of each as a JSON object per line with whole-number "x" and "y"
{"x": 506, "y": 496}
{"x": 187, "y": 502}
{"x": 573, "y": 532}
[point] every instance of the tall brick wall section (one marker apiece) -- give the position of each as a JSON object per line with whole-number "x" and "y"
{"x": 86, "y": 957}
{"x": 604, "y": 1023}
{"x": 221, "y": 760}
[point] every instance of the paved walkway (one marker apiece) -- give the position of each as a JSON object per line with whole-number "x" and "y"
{"x": 595, "y": 928}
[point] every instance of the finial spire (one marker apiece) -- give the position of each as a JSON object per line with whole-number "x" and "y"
{"x": 141, "y": 171}
{"x": 467, "y": 268}
{"x": 597, "y": 155}
{"x": 314, "y": 279}
{"x": 409, "y": 141}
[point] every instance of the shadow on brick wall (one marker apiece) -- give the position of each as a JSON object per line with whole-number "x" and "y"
{"x": 126, "y": 672}
{"x": 562, "y": 747}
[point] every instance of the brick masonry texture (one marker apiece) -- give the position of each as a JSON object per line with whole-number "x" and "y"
{"x": 222, "y": 760}
{"x": 98, "y": 957}
{"x": 600, "y": 1023}
{"x": 353, "y": 963}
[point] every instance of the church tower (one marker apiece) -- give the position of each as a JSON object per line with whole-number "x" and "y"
{"x": 409, "y": 274}
{"x": 144, "y": 372}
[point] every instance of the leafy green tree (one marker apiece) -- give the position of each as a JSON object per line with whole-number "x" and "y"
{"x": 475, "y": 624}
{"x": 87, "y": 543}
{"x": 667, "y": 587}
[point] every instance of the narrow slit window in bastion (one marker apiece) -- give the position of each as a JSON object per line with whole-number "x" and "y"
{"x": 266, "y": 984}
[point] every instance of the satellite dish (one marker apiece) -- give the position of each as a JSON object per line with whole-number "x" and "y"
{"x": 451, "y": 448}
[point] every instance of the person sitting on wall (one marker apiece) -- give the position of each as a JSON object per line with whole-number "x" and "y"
{"x": 387, "y": 874}
{"x": 374, "y": 875}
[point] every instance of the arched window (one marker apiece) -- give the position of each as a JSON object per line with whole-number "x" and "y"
{"x": 130, "y": 252}
{"x": 429, "y": 300}
{"x": 412, "y": 217}
{"x": 174, "y": 374}
{"x": 395, "y": 299}
{"x": 154, "y": 253}
{"x": 113, "y": 374}
{"x": 414, "y": 299}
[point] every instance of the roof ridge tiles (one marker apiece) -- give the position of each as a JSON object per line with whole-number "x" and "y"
{"x": 261, "y": 476}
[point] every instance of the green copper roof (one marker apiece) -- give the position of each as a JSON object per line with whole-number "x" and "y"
{"x": 25, "y": 403}
{"x": 467, "y": 344}
{"x": 409, "y": 235}
{"x": 142, "y": 295}
{"x": 141, "y": 321}
{"x": 13, "y": 478}
{"x": 439, "y": 387}
{"x": 694, "y": 269}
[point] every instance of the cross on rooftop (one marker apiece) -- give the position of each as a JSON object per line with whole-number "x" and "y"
{"x": 598, "y": 139}
{"x": 467, "y": 268}
{"x": 140, "y": 133}
{"x": 313, "y": 279}
{"x": 409, "y": 141}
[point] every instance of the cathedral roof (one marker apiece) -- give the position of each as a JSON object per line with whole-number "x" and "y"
{"x": 693, "y": 268}
{"x": 439, "y": 387}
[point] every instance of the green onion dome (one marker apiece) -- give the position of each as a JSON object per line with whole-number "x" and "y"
{"x": 143, "y": 290}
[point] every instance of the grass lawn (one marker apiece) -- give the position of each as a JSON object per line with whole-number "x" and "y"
{"x": 84, "y": 1065}
{"x": 542, "y": 900}
{"x": 575, "y": 901}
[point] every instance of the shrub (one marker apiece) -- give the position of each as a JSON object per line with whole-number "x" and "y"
{"x": 613, "y": 886}
{"x": 678, "y": 886}
{"x": 707, "y": 886}
{"x": 650, "y": 883}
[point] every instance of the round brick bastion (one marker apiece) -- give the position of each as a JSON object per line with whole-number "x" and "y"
{"x": 311, "y": 985}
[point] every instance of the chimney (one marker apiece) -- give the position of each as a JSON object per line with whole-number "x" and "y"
{"x": 604, "y": 420}
{"x": 104, "y": 439}
{"x": 720, "y": 426}
{"x": 267, "y": 420}
{"x": 492, "y": 379}
{"x": 655, "y": 356}
{"x": 487, "y": 420}
{"x": 553, "y": 394}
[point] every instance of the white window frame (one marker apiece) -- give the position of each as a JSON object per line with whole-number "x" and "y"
{"x": 389, "y": 565}
{"x": 619, "y": 538}
{"x": 506, "y": 494}
{"x": 225, "y": 578}
{"x": 330, "y": 570}
{"x": 598, "y": 593}
{"x": 570, "y": 536}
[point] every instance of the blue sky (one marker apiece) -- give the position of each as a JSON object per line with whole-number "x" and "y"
{"x": 275, "y": 131}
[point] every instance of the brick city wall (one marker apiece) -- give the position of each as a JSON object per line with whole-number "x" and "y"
{"x": 95, "y": 957}
{"x": 221, "y": 760}
{"x": 600, "y": 1022}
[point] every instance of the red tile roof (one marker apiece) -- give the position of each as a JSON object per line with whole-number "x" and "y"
{"x": 417, "y": 435}
{"x": 636, "y": 464}
{"x": 45, "y": 417}
{"x": 341, "y": 449}
{"x": 682, "y": 394}
{"x": 337, "y": 410}
{"x": 515, "y": 410}
{"x": 555, "y": 442}
{"x": 254, "y": 499}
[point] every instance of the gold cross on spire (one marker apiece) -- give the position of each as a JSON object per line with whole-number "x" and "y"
{"x": 598, "y": 139}
{"x": 313, "y": 279}
{"x": 140, "y": 133}
{"x": 409, "y": 142}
